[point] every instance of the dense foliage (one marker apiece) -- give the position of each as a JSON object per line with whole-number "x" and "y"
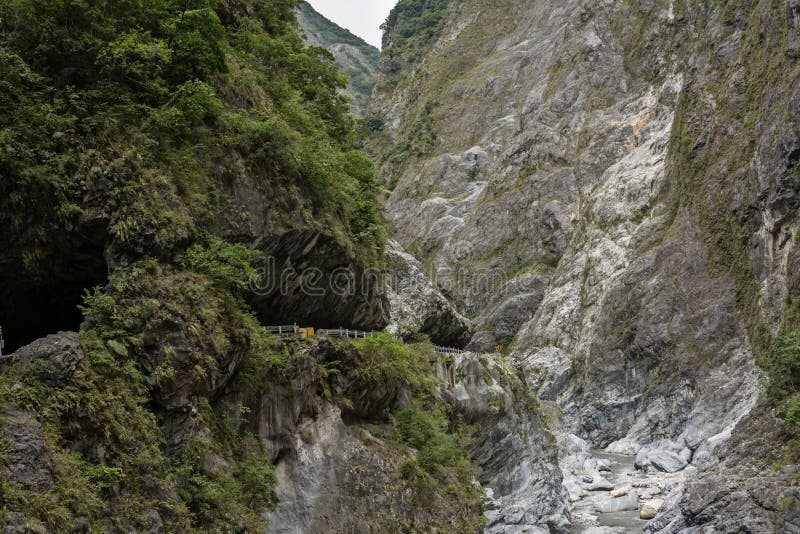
{"x": 356, "y": 58}
{"x": 384, "y": 360}
{"x": 783, "y": 366}
{"x": 145, "y": 104}
{"x": 155, "y": 329}
{"x": 440, "y": 452}
{"x": 121, "y": 124}
{"x": 412, "y": 26}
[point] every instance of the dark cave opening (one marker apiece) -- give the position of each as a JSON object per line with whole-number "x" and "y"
{"x": 31, "y": 309}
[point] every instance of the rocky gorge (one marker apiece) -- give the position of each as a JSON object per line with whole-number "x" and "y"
{"x": 611, "y": 189}
{"x": 591, "y": 204}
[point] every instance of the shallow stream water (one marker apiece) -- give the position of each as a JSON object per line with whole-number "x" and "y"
{"x": 585, "y": 511}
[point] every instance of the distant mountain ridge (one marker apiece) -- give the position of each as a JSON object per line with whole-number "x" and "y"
{"x": 355, "y": 57}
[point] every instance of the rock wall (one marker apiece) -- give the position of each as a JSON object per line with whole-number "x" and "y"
{"x": 343, "y": 476}
{"x": 417, "y": 306}
{"x": 516, "y": 452}
{"x": 614, "y": 185}
{"x": 338, "y": 465}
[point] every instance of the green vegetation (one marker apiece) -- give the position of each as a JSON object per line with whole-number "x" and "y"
{"x": 229, "y": 266}
{"x": 219, "y": 500}
{"x": 359, "y": 61}
{"x": 793, "y": 412}
{"x": 783, "y": 365}
{"x": 127, "y": 121}
{"x": 147, "y": 103}
{"x": 106, "y": 400}
{"x": 135, "y": 356}
{"x": 440, "y": 441}
{"x": 418, "y": 142}
{"x": 412, "y": 27}
{"x": 440, "y": 453}
{"x": 156, "y": 330}
{"x": 384, "y": 360}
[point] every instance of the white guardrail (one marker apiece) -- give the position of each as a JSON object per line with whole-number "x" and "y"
{"x": 285, "y": 330}
{"x": 345, "y": 333}
{"x": 342, "y": 333}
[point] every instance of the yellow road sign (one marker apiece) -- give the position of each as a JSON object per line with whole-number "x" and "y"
{"x": 307, "y": 332}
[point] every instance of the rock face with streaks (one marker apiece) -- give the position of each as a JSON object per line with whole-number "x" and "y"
{"x": 417, "y": 305}
{"x": 333, "y": 475}
{"x": 614, "y": 186}
{"x": 515, "y": 453}
{"x": 608, "y": 190}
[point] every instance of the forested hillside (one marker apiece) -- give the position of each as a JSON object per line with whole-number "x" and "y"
{"x": 152, "y": 153}
{"x": 126, "y": 128}
{"x": 356, "y": 58}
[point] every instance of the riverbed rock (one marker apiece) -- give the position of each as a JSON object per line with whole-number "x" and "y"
{"x": 574, "y": 489}
{"x": 736, "y": 494}
{"x": 620, "y": 504}
{"x": 578, "y": 467}
{"x": 598, "y": 484}
{"x": 621, "y": 492}
{"x": 668, "y": 460}
{"x": 649, "y": 493}
{"x": 651, "y": 508}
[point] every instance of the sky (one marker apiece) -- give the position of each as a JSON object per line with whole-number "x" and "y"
{"x": 361, "y": 17}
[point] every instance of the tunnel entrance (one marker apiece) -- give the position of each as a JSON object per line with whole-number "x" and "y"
{"x": 31, "y": 309}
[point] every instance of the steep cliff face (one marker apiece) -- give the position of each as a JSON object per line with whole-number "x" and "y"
{"x": 515, "y": 451}
{"x": 614, "y": 186}
{"x": 315, "y": 421}
{"x": 356, "y": 58}
{"x": 417, "y": 306}
{"x": 172, "y": 172}
{"x": 354, "y": 476}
